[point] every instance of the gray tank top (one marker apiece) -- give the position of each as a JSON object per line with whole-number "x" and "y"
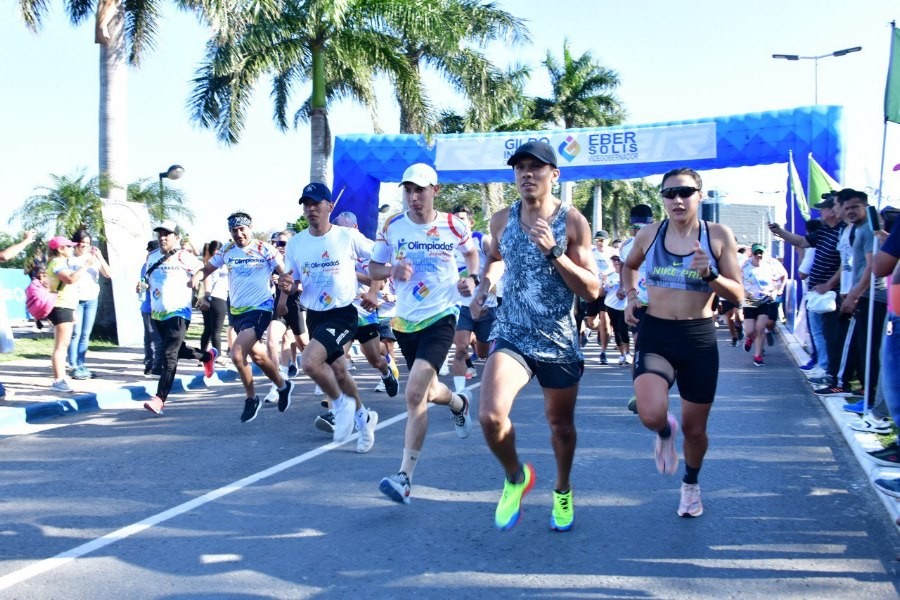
{"x": 668, "y": 270}
{"x": 537, "y": 314}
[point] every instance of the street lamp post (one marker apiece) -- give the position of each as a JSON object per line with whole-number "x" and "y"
{"x": 173, "y": 172}
{"x": 815, "y": 60}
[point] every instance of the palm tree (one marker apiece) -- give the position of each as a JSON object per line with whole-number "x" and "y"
{"x": 505, "y": 109}
{"x": 582, "y": 93}
{"x": 334, "y": 44}
{"x": 444, "y": 35}
{"x": 74, "y": 202}
{"x": 162, "y": 202}
{"x": 70, "y": 204}
{"x": 125, "y": 32}
{"x": 618, "y": 197}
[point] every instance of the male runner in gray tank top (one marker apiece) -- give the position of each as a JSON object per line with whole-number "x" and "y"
{"x": 545, "y": 250}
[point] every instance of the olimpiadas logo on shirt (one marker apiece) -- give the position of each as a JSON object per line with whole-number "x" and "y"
{"x": 434, "y": 243}
{"x": 420, "y": 291}
{"x": 325, "y": 299}
{"x": 324, "y": 263}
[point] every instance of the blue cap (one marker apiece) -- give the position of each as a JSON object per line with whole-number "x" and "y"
{"x": 317, "y": 192}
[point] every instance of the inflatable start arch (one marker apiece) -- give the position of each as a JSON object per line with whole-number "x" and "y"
{"x": 363, "y": 162}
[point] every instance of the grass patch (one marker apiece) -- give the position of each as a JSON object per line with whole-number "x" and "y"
{"x": 41, "y": 346}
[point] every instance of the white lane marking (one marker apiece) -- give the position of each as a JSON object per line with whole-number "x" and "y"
{"x": 68, "y": 556}
{"x": 48, "y": 564}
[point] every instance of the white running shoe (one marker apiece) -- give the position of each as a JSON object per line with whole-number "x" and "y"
{"x": 462, "y": 422}
{"x": 445, "y": 370}
{"x": 318, "y": 391}
{"x": 343, "y": 418}
{"x": 690, "y": 505}
{"x": 367, "y": 433}
{"x": 872, "y": 424}
{"x": 272, "y": 396}
{"x": 665, "y": 454}
{"x": 629, "y": 358}
{"x": 380, "y": 387}
{"x": 622, "y": 360}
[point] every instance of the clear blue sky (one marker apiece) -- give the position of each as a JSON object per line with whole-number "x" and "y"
{"x": 697, "y": 59}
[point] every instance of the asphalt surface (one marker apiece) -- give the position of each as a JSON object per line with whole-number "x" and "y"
{"x": 119, "y": 503}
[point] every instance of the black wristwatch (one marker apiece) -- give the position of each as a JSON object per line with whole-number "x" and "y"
{"x": 555, "y": 252}
{"x": 476, "y": 279}
{"x": 713, "y": 275}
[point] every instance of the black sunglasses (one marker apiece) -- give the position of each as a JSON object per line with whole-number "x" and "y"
{"x": 682, "y": 191}
{"x": 279, "y": 243}
{"x": 758, "y": 253}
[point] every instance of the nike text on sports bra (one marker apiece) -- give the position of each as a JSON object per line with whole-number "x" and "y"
{"x": 672, "y": 271}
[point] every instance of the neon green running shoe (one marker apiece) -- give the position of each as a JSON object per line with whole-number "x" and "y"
{"x": 563, "y": 511}
{"x": 509, "y": 509}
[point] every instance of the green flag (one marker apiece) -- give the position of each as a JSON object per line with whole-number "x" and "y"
{"x": 797, "y": 188}
{"x": 819, "y": 182}
{"x": 892, "y": 89}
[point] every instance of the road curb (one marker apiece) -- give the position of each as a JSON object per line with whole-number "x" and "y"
{"x": 127, "y": 396}
{"x": 859, "y": 443}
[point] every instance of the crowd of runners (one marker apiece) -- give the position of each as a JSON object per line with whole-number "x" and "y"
{"x": 523, "y": 295}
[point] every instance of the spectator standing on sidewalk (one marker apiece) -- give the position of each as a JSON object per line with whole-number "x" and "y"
{"x": 62, "y": 279}
{"x": 884, "y": 263}
{"x": 6, "y": 255}
{"x": 823, "y": 277}
{"x": 856, "y": 302}
{"x": 88, "y": 288}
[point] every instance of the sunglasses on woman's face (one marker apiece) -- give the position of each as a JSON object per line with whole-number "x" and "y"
{"x": 682, "y": 191}
{"x": 279, "y": 243}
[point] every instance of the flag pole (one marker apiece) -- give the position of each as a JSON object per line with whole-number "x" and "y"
{"x": 796, "y": 296}
{"x": 881, "y": 170}
{"x": 884, "y": 132}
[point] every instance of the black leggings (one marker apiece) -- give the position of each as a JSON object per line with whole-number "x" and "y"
{"x": 172, "y": 332}
{"x": 619, "y": 326}
{"x": 213, "y": 321}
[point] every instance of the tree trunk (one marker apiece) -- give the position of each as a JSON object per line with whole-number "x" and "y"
{"x": 113, "y": 147}
{"x": 114, "y": 111}
{"x": 320, "y": 133}
{"x": 494, "y": 200}
{"x": 320, "y": 145}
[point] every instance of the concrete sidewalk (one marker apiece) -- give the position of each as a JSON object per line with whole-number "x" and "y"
{"x": 860, "y": 443}
{"x": 119, "y": 384}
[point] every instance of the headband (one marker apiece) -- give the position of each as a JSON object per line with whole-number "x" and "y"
{"x": 239, "y": 221}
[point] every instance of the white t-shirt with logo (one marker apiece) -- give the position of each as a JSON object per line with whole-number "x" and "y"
{"x": 249, "y": 275}
{"x": 430, "y": 293}
{"x": 170, "y": 294}
{"x": 641, "y": 286}
{"x": 325, "y": 266}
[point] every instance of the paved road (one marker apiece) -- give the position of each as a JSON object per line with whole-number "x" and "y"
{"x": 195, "y": 504}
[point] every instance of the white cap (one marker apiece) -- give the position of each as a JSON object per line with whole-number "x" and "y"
{"x": 420, "y": 174}
{"x": 168, "y": 225}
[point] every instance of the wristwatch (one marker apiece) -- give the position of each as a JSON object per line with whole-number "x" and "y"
{"x": 555, "y": 252}
{"x": 713, "y": 275}
{"x": 475, "y": 278}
